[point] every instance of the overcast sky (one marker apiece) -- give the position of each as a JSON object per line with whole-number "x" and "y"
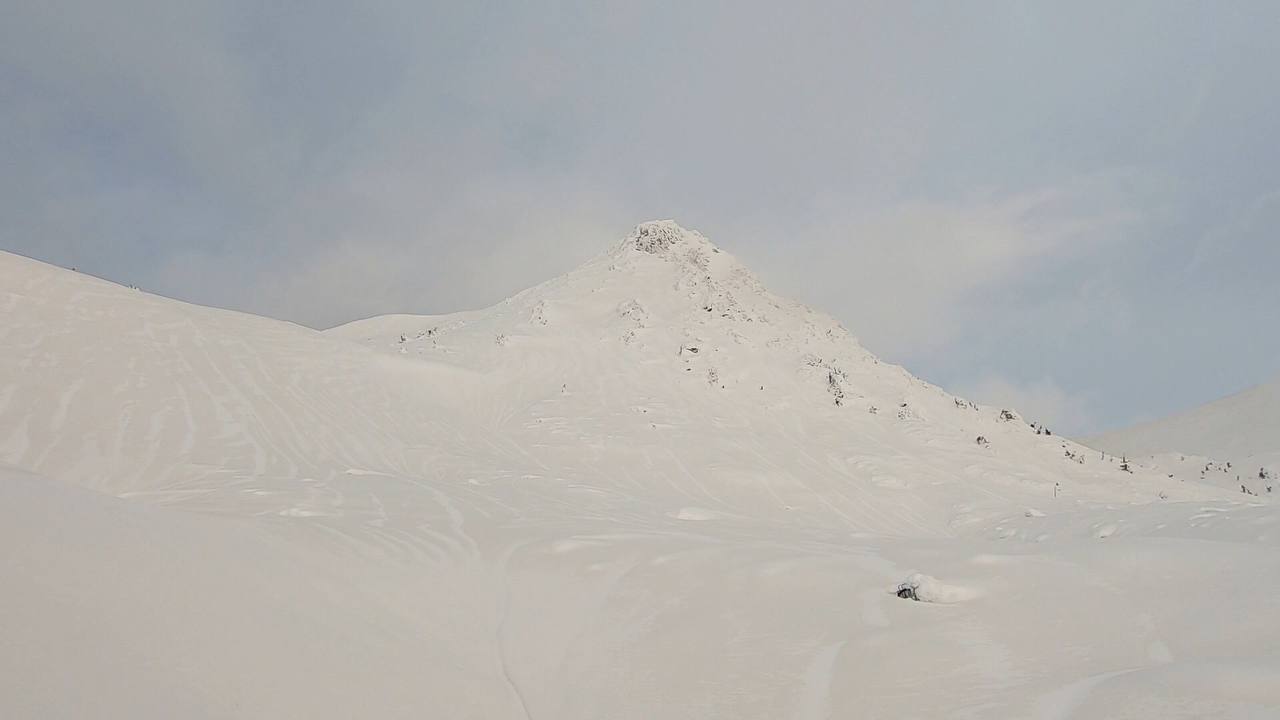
{"x": 1070, "y": 207}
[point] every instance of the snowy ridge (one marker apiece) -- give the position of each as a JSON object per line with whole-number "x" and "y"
{"x": 646, "y": 488}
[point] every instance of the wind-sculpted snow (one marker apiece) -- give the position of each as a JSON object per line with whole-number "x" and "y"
{"x": 647, "y": 488}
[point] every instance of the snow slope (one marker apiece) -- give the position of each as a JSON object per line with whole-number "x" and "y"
{"x": 647, "y": 488}
{"x": 1233, "y": 441}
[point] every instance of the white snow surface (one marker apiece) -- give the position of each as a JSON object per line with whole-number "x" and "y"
{"x": 1231, "y": 442}
{"x": 646, "y": 489}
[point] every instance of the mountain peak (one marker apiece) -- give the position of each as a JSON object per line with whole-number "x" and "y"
{"x": 661, "y": 237}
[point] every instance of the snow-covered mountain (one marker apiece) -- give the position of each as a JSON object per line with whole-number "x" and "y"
{"x": 1242, "y": 425}
{"x": 1234, "y": 442}
{"x": 670, "y": 343}
{"x": 647, "y": 488}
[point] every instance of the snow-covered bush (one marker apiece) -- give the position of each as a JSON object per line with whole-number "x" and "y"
{"x": 835, "y": 385}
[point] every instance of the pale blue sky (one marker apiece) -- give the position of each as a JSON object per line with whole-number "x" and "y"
{"x": 1071, "y": 207}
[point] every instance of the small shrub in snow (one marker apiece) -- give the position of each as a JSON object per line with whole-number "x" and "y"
{"x": 539, "y": 314}
{"x": 835, "y": 385}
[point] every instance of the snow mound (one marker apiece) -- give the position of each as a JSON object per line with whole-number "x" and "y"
{"x": 1105, "y": 530}
{"x": 695, "y": 514}
{"x": 927, "y": 588}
